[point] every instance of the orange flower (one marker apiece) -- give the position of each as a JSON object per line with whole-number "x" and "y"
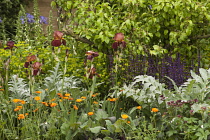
{"x": 45, "y": 103}
{"x": 16, "y": 100}
{"x": 95, "y": 102}
{"x": 138, "y": 107}
{"x": 26, "y": 114}
{"x": 124, "y": 116}
{"x": 35, "y": 110}
{"x": 53, "y": 104}
{"x": 1, "y": 89}
{"x": 128, "y": 121}
{"x": 67, "y": 94}
{"x": 16, "y": 109}
{"x": 75, "y": 107}
{"x": 21, "y": 116}
{"x": 83, "y": 97}
{"x": 20, "y": 107}
{"x": 38, "y": 92}
{"x": 90, "y": 113}
{"x": 71, "y": 99}
{"x": 112, "y": 99}
{"x": 65, "y": 97}
{"x": 93, "y": 95}
{"x": 22, "y": 101}
{"x": 59, "y": 94}
{"x": 155, "y": 110}
{"x": 52, "y": 100}
{"x": 78, "y": 100}
{"x": 37, "y": 98}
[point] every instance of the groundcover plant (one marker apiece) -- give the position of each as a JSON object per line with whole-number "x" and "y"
{"x": 112, "y": 70}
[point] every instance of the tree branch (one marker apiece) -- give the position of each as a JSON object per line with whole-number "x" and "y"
{"x": 78, "y": 38}
{"x": 201, "y": 37}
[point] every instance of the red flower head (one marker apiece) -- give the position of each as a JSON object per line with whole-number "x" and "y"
{"x": 29, "y": 59}
{"x": 119, "y": 41}
{"x": 91, "y": 55}
{"x": 92, "y": 72}
{"x": 10, "y": 45}
{"x": 58, "y": 39}
{"x": 36, "y": 67}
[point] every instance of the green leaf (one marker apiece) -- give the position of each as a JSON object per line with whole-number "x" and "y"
{"x": 95, "y": 129}
{"x": 101, "y": 114}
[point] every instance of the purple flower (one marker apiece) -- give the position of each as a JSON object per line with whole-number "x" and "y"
{"x": 0, "y": 20}
{"x": 30, "y": 18}
{"x": 43, "y": 20}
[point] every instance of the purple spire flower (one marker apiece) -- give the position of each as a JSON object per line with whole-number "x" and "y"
{"x": 43, "y": 20}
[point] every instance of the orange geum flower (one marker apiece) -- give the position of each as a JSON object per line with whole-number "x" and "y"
{"x": 78, "y": 100}
{"x": 67, "y": 94}
{"x": 138, "y": 107}
{"x": 35, "y": 110}
{"x": 22, "y": 101}
{"x": 124, "y": 116}
{"x": 16, "y": 109}
{"x": 154, "y": 110}
{"x": 90, "y": 113}
{"x": 45, "y": 103}
{"x": 16, "y": 100}
{"x": 59, "y": 94}
{"x": 75, "y": 107}
{"x": 83, "y": 97}
{"x": 20, "y": 107}
{"x": 21, "y": 116}
{"x": 52, "y": 100}
{"x": 38, "y": 92}
{"x": 95, "y": 102}
{"x": 37, "y": 98}
{"x": 53, "y": 104}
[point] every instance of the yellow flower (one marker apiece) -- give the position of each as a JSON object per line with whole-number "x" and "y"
{"x": 155, "y": 110}
{"x": 1, "y": 89}
{"x": 83, "y": 97}
{"x": 124, "y": 116}
{"x": 21, "y": 116}
{"x": 67, "y": 94}
{"x": 78, "y": 100}
{"x": 16, "y": 100}
{"x": 38, "y": 92}
{"x": 65, "y": 97}
{"x": 53, "y": 104}
{"x": 37, "y": 98}
{"x": 138, "y": 107}
{"x": 90, "y": 113}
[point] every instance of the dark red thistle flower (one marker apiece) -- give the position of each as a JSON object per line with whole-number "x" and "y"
{"x": 58, "y": 39}
{"x": 10, "y": 45}
{"x": 119, "y": 41}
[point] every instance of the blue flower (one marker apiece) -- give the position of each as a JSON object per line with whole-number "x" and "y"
{"x": 30, "y": 18}
{"x": 43, "y": 20}
{"x": 0, "y": 20}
